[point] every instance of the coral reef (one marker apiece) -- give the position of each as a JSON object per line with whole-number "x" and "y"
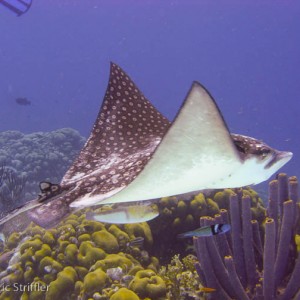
{"x": 81, "y": 259}
{"x": 180, "y": 214}
{"x": 12, "y": 186}
{"x": 88, "y": 259}
{"x": 181, "y": 278}
{"x": 246, "y": 264}
{"x": 124, "y": 294}
{"x": 147, "y": 284}
{"x": 39, "y": 156}
{"x": 84, "y": 259}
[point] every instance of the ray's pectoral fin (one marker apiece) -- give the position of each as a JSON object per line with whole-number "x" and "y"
{"x": 49, "y": 214}
{"x": 197, "y": 152}
{"x": 127, "y": 130}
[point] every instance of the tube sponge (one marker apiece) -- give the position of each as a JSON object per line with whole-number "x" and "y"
{"x": 265, "y": 263}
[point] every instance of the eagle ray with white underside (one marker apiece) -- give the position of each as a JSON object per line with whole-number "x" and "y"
{"x": 135, "y": 154}
{"x": 198, "y": 152}
{"x": 125, "y": 134}
{"x": 127, "y": 131}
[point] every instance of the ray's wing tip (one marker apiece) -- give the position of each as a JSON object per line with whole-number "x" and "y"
{"x": 113, "y": 65}
{"x": 196, "y": 83}
{"x": 199, "y": 86}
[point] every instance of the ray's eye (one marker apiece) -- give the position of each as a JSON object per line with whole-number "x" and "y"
{"x": 265, "y": 152}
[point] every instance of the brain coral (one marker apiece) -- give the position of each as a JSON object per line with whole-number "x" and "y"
{"x": 81, "y": 259}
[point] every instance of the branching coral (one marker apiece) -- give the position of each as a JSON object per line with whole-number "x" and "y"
{"x": 246, "y": 264}
{"x": 39, "y": 156}
{"x": 181, "y": 278}
{"x": 11, "y": 187}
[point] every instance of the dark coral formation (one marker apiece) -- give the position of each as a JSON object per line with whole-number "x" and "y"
{"x": 246, "y": 264}
{"x": 39, "y": 156}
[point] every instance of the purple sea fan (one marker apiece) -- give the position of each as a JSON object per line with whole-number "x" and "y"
{"x": 254, "y": 261}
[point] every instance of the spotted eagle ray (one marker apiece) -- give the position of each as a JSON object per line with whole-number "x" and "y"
{"x": 134, "y": 153}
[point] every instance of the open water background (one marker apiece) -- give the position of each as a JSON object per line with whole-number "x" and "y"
{"x": 247, "y": 54}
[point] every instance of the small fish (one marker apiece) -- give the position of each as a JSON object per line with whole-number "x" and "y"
{"x": 23, "y": 101}
{"x": 206, "y": 231}
{"x": 125, "y": 214}
{"x": 137, "y": 242}
{"x": 207, "y": 290}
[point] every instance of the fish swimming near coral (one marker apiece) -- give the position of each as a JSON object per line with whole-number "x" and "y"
{"x": 206, "y": 231}
{"x": 23, "y": 101}
{"x": 125, "y": 214}
{"x": 206, "y": 290}
{"x": 137, "y": 242}
{"x": 134, "y": 153}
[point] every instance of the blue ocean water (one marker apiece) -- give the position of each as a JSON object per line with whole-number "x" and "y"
{"x": 246, "y": 53}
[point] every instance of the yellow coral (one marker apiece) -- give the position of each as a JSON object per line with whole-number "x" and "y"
{"x": 106, "y": 241}
{"x": 44, "y": 251}
{"x": 140, "y": 229}
{"x": 124, "y": 294}
{"x": 94, "y": 281}
{"x": 34, "y": 244}
{"x": 63, "y": 285}
{"x": 121, "y": 236}
{"x": 147, "y": 284}
{"x": 49, "y": 265}
{"x": 182, "y": 208}
{"x": 13, "y": 240}
{"x": 89, "y": 254}
{"x": 48, "y": 238}
{"x": 297, "y": 242}
{"x": 198, "y": 205}
{"x": 71, "y": 252}
{"x": 113, "y": 261}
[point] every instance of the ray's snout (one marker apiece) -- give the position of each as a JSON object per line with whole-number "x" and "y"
{"x": 280, "y": 158}
{"x": 284, "y": 156}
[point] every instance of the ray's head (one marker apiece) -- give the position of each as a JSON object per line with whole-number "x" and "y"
{"x": 262, "y": 159}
